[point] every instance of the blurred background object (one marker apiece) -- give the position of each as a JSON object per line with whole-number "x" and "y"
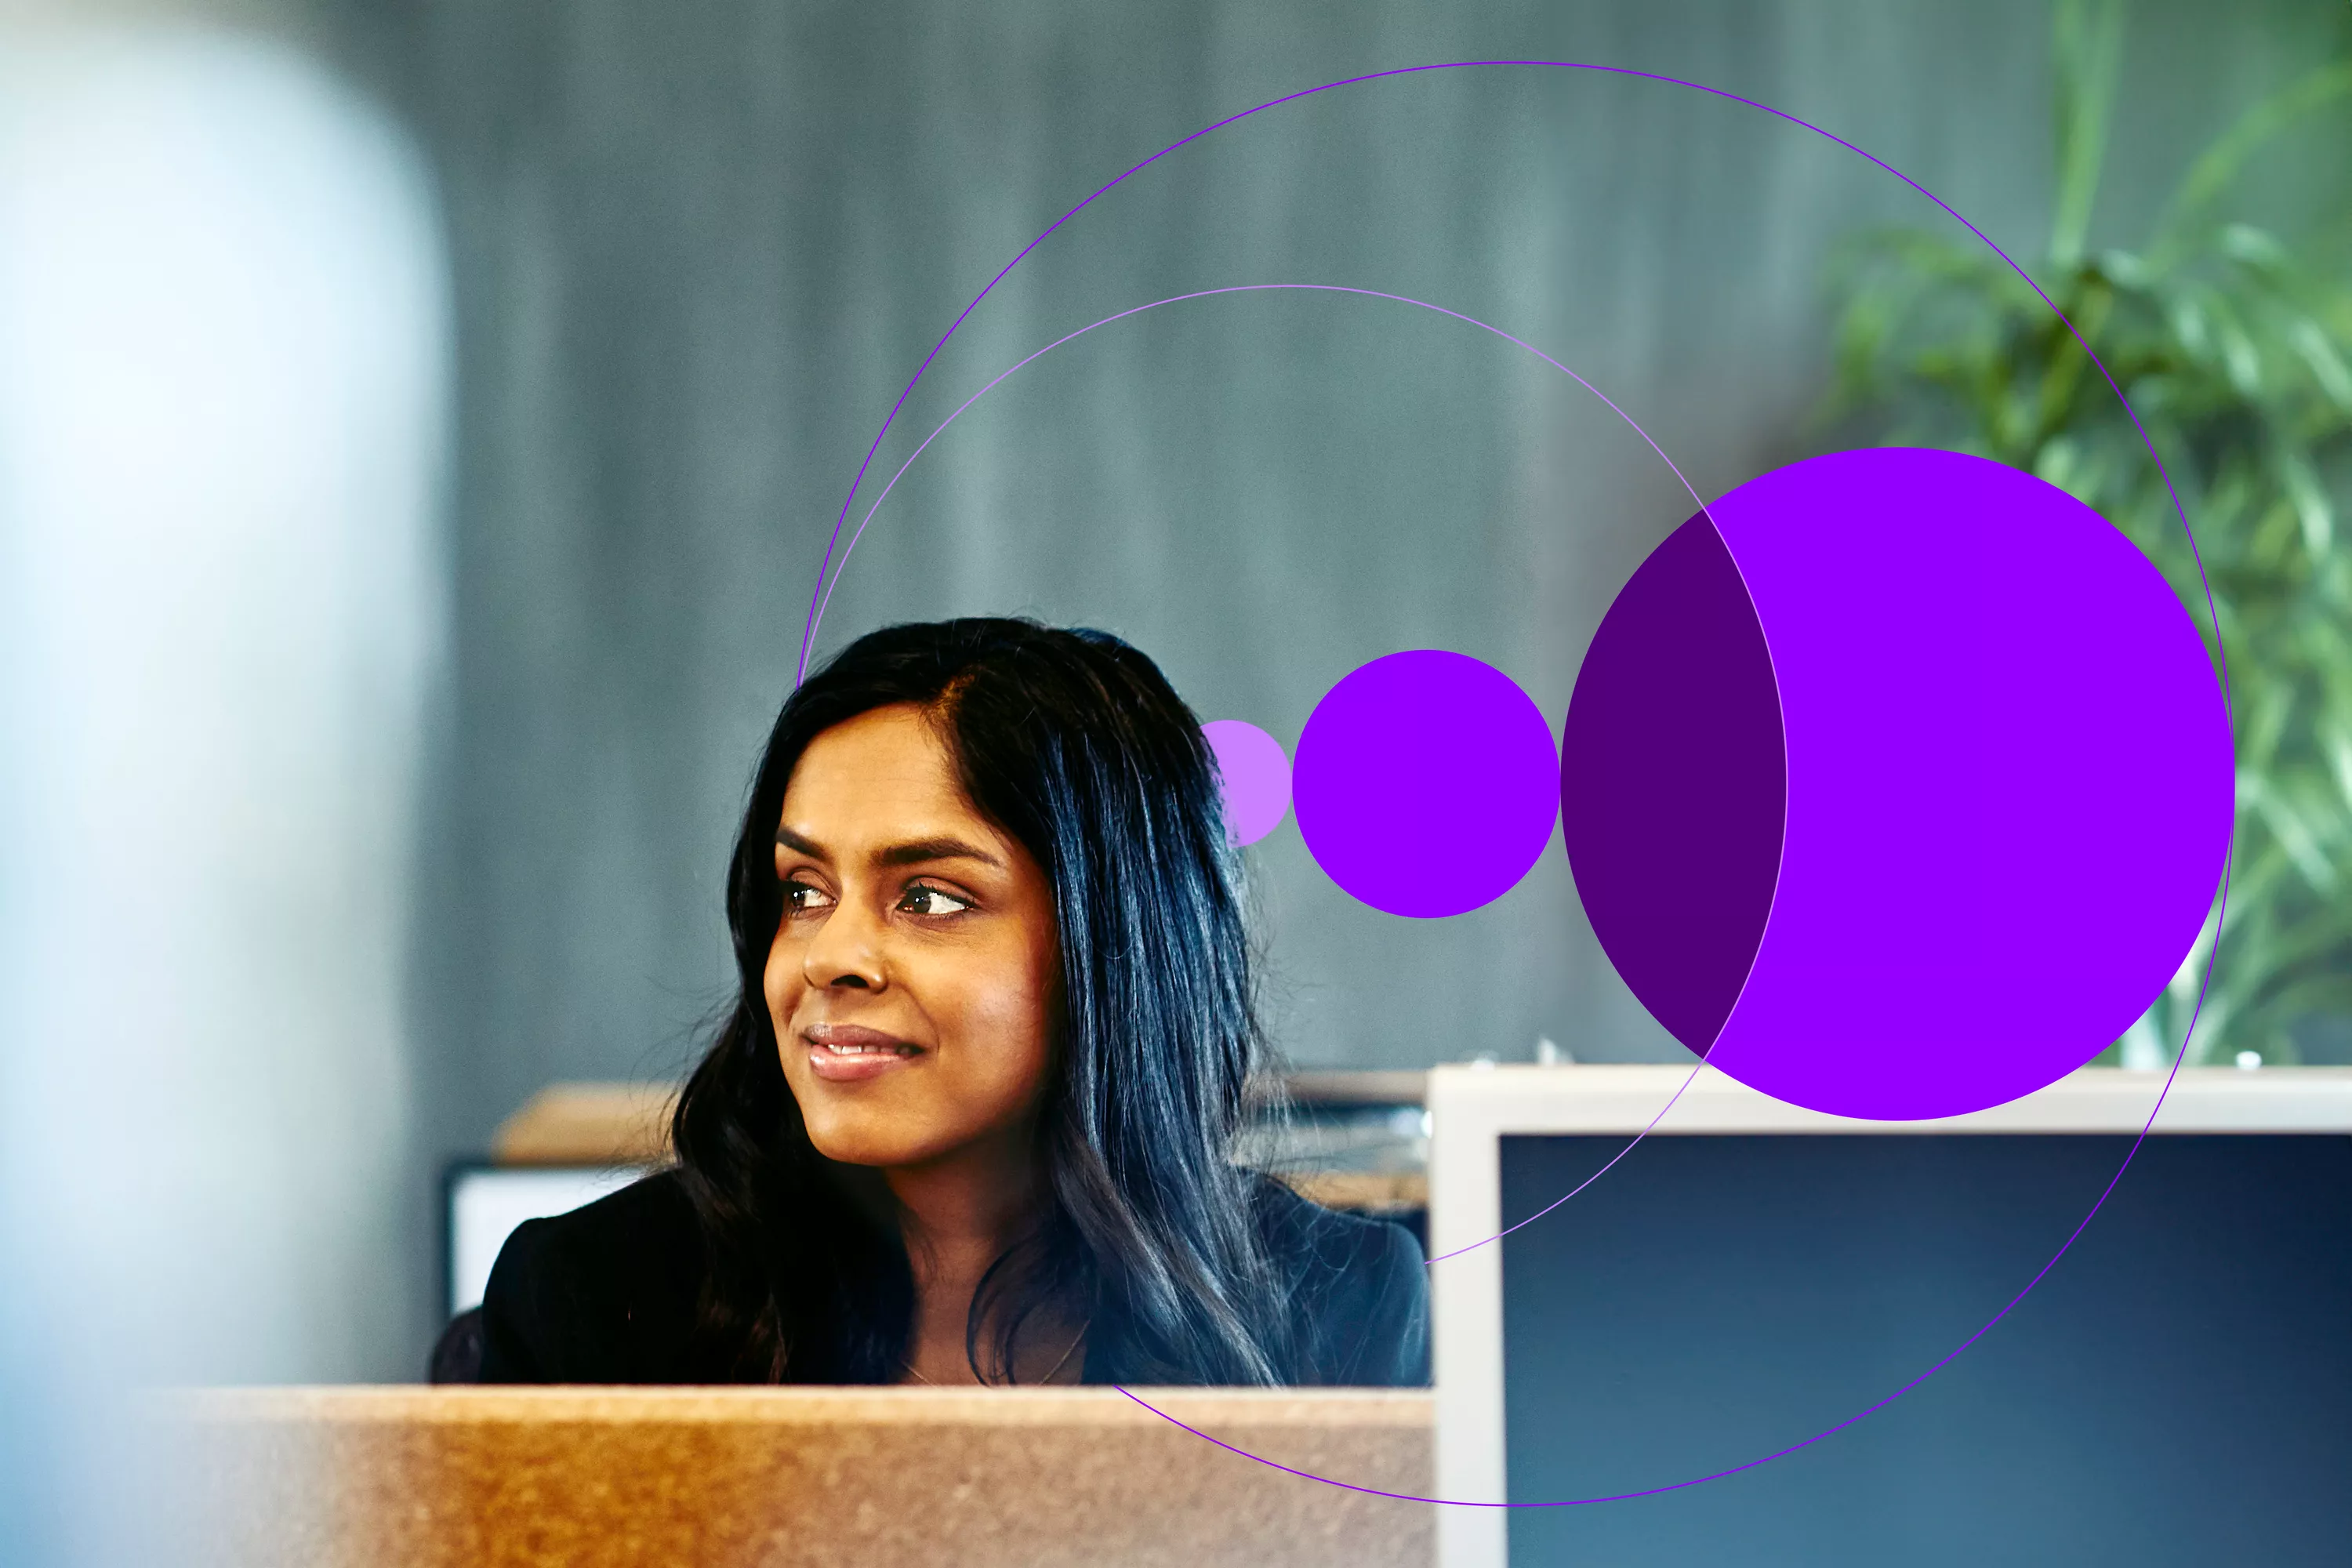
{"x": 2229, "y": 327}
{"x": 222, "y": 390}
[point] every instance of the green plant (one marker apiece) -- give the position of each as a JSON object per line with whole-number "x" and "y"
{"x": 2233, "y": 346}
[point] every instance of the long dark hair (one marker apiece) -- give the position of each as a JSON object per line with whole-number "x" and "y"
{"x": 1075, "y": 744}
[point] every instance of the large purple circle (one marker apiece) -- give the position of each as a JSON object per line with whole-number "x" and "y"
{"x": 1866, "y": 752}
{"x": 1426, "y": 783}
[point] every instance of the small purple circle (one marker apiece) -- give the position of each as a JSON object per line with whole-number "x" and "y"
{"x": 1427, "y": 784}
{"x": 1257, "y": 778}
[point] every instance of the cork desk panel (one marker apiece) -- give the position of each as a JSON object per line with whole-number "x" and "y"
{"x": 510, "y": 1478}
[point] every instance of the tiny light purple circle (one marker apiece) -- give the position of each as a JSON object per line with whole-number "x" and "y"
{"x": 1426, "y": 783}
{"x": 1255, "y": 775}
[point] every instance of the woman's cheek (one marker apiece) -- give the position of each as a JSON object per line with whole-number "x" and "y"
{"x": 783, "y": 984}
{"x": 1019, "y": 1026}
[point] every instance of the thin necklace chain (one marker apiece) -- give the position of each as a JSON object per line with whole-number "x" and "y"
{"x": 915, "y": 1373}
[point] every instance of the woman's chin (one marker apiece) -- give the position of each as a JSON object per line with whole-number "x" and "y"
{"x": 845, "y": 1142}
{"x": 896, "y": 1124}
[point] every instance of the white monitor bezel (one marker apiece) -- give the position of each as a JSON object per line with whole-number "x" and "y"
{"x": 1473, "y": 1107}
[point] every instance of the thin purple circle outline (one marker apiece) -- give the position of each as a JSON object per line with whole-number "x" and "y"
{"x": 843, "y": 565}
{"x": 2171, "y": 492}
{"x": 1596, "y": 1175}
{"x": 825, "y": 595}
{"x": 808, "y": 627}
{"x": 1803, "y": 1443}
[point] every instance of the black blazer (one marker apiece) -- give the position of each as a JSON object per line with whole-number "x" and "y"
{"x": 606, "y": 1294}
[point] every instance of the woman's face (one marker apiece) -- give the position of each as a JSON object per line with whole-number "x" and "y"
{"x": 913, "y": 981}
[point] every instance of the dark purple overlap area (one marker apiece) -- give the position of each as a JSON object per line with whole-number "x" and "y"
{"x": 1673, "y": 784}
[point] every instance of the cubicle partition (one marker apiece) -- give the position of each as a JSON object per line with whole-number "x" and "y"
{"x": 796, "y": 1478}
{"x": 844, "y": 1478}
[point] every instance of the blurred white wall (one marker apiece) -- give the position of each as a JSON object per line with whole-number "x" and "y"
{"x": 222, "y": 356}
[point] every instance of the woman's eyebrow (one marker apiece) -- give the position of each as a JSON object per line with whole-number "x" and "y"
{"x": 800, "y": 846}
{"x": 916, "y": 851}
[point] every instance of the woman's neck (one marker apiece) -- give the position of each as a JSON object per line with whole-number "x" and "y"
{"x": 974, "y": 1202}
{"x": 960, "y": 1214}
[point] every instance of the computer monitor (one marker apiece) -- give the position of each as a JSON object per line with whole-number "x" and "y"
{"x": 2176, "y": 1389}
{"x": 484, "y": 1202}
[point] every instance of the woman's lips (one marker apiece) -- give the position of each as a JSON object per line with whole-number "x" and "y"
{"x": 844, "y": 1053}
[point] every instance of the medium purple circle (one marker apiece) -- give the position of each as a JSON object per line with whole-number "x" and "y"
{"x": 1256, "y": 776}
{"x": 1427, "y": 784}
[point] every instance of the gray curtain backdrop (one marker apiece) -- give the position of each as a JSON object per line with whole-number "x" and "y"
{"x": 699, "y": 249}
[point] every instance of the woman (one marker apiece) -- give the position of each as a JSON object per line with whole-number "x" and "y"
{"x": 970, "y": 1118}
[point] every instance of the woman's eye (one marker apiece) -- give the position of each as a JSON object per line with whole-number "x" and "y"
{"x": 800, "y": 897}
{"x": 924, "y": 901}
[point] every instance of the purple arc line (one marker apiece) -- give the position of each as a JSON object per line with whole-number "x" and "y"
{"x": 2171, "y": 491}
{"x": 843, "y": 565}
{"x": 1587, "y": 1181}
{"x": 1827, "y": 1431}
{"x": 808, "y": 630}
{"x": 825, "y": 593}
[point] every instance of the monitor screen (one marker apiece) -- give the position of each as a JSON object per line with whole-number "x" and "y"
{"x": 487, "y": 1201}
{"x": 2177, "y": 1390}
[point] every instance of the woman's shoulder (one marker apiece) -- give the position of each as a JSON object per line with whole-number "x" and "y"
{"x": 1357, "y": 1285}
{"x": 1304, "y": 1233}
{"x": 603, "y": 1294}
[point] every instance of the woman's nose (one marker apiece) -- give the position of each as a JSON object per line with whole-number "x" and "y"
{"x": 846, "y": 950}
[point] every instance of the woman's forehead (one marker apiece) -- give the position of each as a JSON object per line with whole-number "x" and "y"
{"x": 884, "y": 776}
